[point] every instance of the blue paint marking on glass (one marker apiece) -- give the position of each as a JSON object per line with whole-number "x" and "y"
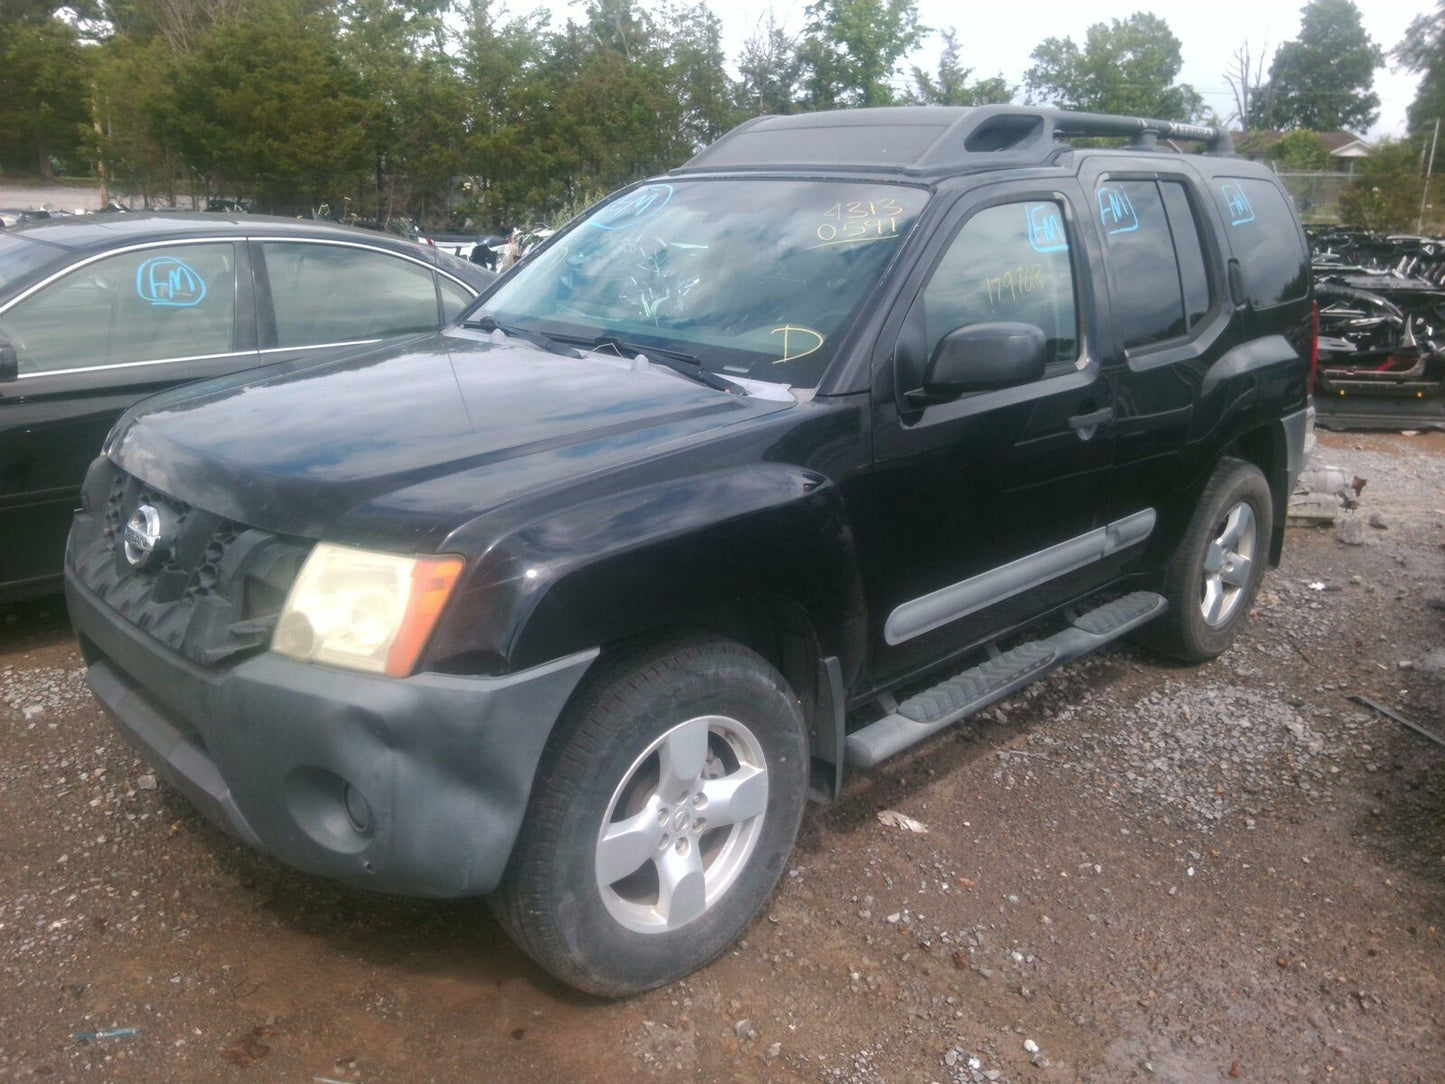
{"x": 632, "y": 209}
{"x": 1240, "y": 212}
{"x": 1116, "y": 212}
{"x": 167, "y": 282}
{"x": 1046, "y": 228}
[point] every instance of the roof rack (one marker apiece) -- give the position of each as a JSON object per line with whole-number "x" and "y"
{"x": 920, "y": 140}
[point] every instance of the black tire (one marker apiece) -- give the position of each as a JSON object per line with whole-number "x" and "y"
{"x": 1184, "y": 633}
{"x": 550, "y": 901}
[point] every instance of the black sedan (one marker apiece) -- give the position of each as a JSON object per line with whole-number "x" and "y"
{"x": 97, "y": 312}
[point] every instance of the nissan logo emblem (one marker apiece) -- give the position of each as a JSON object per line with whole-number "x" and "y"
{"x": 145, "y": 536}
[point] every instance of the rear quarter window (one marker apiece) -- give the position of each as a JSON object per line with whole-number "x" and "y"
{"x": 1264, "y": 238}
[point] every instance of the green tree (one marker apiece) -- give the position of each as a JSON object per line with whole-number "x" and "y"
{"x": 413, "y": 105}
{"x": 851, "y": 50}
{"x": 506, "y": 97}
{"x": 1322, "y": 80}
{"x": 1299, "y": 151}
{"x": 1422, "y": 51}
{"x": 132, "y": 92}
{"x": 697, "y": 72}
{"x": 265, "y": 107}
{"x": 771, "y": 71}
{"x": 598, "y": 109}
{"x": 951, "y": 86}
{"x": 139, "y": 45}
{"x": 1125, "y": 66}
{"x": 44, "y": 85}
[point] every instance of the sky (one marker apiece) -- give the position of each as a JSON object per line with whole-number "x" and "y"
{"x": 998, "y": 38}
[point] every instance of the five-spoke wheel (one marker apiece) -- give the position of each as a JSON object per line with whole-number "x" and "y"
{"x": 1212, "y": 576}
{"x": 1228, "y": 565}
{"x": 682, "y": 824}
{"x": 661, "y": 818}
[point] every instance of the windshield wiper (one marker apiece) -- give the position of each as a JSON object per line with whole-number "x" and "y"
{"x": 536, "y": 338}
{"x": 677, "y": 360}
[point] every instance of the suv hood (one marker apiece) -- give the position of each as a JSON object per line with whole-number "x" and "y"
{"x": 412, "y": 440}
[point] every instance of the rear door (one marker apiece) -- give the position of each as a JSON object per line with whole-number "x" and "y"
{"x": 987, "y": 509}
{"x": 1173, "y": 319}
{"x": 91, "y": 340}
{"x": 321, "y": 298}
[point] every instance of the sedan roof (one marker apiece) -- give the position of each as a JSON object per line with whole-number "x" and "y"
{"x": 101, "y": 231}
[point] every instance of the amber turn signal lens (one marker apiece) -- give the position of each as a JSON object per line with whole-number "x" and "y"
{"x": 432, "y": 580}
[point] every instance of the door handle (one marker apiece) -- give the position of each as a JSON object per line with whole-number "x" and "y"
{"x": 1085, "y": 424}
{"x": 1237, "y": 292}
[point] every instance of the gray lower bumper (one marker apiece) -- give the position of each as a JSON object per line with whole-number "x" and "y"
{"x": 278, "y": 753}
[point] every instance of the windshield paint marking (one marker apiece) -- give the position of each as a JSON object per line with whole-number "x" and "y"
{"x": 787, "y": 331}
{"x": 634, "y": 209}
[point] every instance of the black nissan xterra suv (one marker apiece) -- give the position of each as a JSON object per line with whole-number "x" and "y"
{"x": 779, "y": 463}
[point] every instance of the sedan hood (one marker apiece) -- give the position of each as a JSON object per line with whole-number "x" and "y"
{"x": 401, "y": 445}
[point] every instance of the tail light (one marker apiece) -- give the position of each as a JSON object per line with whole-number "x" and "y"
{"x": 1314, "y": 346}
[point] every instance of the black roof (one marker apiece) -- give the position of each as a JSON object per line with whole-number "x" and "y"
{"x": 929, "y": 140}
{"x": 101, "y": 231}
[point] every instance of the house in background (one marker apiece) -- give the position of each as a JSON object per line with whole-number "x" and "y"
{"x": 1343, "y": 148}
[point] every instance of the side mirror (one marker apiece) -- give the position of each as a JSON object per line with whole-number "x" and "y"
{"x": 981, "y": 357}
{"x": 9, "y": 364}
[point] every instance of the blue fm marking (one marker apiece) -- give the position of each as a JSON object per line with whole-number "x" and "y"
{"x": 167, "y": 282}
{"x": 1046, "y": 229}
{"x": 1116, "y": 212}
{"x": 633, "y": 209}
{"x": 1240, "y": 212}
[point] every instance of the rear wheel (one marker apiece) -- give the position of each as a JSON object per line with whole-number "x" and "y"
{"x": 1214, "y": 574}
{"x": 661, "y": 818}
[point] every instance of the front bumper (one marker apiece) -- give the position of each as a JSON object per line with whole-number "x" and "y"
{"x": 278, "y": 752}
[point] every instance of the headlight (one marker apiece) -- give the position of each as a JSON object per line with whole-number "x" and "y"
{"x": 363, "y": 610}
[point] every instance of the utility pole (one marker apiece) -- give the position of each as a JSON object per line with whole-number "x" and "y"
{"x": 1429, "y": 168}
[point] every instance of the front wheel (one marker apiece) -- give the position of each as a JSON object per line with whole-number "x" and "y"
{"x": 661, "y": 819}
{"x": 1214, "y": 574}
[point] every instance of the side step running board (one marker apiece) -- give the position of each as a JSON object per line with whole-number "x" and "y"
{"x": 926, "y": 713}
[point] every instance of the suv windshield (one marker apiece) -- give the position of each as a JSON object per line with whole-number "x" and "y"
{"x": 750, "y": 278}
{"x": 19, "y": 257}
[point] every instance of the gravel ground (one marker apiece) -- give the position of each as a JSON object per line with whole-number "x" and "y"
{"x": 1133, "y": 871}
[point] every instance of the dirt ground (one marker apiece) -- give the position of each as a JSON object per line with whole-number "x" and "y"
{"x": 1136, "y": 871}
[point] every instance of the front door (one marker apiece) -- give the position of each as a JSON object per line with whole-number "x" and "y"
{"x": 989, "y": 508}
{"x": 91, "y": 342}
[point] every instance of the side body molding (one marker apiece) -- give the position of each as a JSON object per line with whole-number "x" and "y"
{"x": 947, "y": 604}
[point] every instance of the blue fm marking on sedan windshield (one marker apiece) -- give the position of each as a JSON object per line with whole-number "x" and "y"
{"x": 633, "y": 209}
{"x": 1046, "y": 230}
{"x": 168, "y": 282}
{"x": 1240, "y": 211}
{"x": 1116, "y": 212}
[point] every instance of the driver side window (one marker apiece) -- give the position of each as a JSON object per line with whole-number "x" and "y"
{"x": 1008, "y": 263}
{"x": 160, "y": 303}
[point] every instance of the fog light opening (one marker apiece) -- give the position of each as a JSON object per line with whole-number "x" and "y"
{"x": 357, "y": 809}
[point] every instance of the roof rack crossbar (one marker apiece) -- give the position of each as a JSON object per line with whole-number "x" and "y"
{"x": 1215, "y": 140}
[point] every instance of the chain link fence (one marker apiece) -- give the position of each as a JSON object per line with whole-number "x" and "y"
{"x": 1316, "y": 195}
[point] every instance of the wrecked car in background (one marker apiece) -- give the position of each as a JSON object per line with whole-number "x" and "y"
{"x": 1382, "y": 330}
{"x": 100, "y": 311}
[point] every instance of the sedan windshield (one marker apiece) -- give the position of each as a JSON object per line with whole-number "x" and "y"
{"x": 19, "y": 257}
{"x": 748, "y": 278}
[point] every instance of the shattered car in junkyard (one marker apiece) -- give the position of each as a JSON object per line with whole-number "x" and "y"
{"x": 1381, "y": 330}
